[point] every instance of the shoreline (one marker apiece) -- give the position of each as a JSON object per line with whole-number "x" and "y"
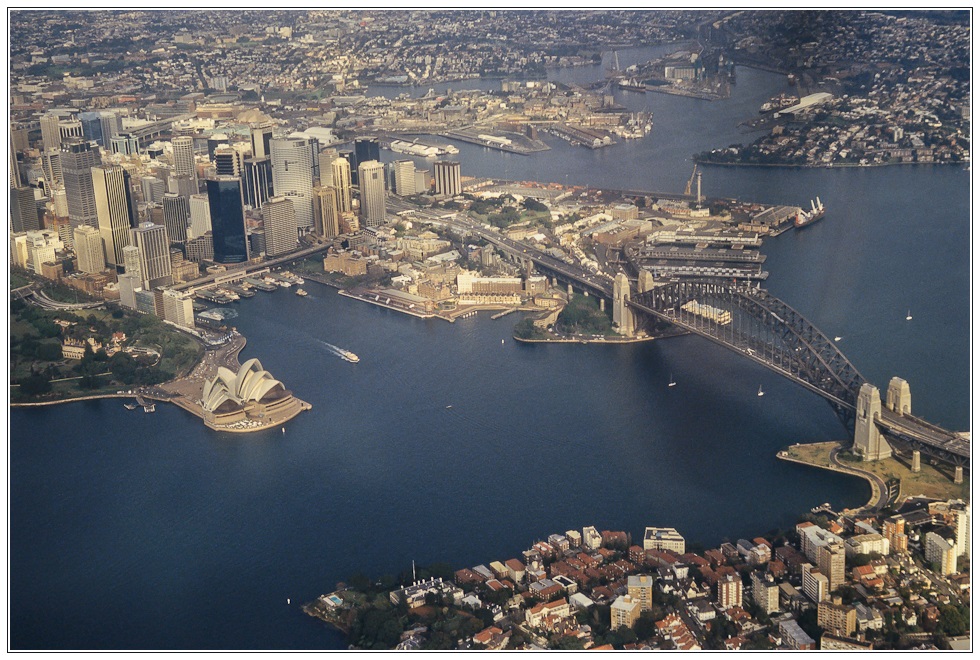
{"x": 783, "y": 455}
{"x": 634, "y": 340}
{"x": 841, "y": 166}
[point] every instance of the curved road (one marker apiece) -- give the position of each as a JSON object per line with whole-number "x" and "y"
{"x": 878, "y": 482}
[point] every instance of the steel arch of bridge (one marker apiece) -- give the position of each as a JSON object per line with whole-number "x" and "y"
{"x": 762, "y": 328}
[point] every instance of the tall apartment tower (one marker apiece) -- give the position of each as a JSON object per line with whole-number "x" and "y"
{"x": 154, "y": 253}
{"x": 112, "y": 204}
{"x": 326, "y": 211}
{"x": 89, "y": 249}
{"x": 403, "y": 176}
{"x": 281, "y": 234}
{"x": 176, "y": 216}
{"x": 78, "y": 157}
{"x": 184, "y": 164}
{"x": 372, "y": 177}
{"x": 293, "y": 172}
{"x": 365, "y": 149}
{"x": 342, "y": 182}
{"x": 447, "y": 178}
{"x": 227, "y": 220}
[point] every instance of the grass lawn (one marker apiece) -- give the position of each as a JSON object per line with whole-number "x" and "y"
{"x": 932, "y": 481}
{"x": 17, "y": 281}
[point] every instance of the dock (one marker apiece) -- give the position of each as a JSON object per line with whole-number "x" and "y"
{"x": 504, "y": 313}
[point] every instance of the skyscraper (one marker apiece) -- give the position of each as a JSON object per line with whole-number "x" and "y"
{"x": 365, "y": 149}
{"x": 153, "y": 189}
{"x": 351, "y": 159}
{"x": 342, "y": 182}
{"x": 113, "y": 210}
{"x": 154, "y": 254}
{"x": 326, "y": 211}
{"x": 293, "y": 171}
{"x": 23, "y": 210}
{"x": 261, "y": 139}
{"x": 200, "y": 214}
{"x": 110, "y": 127}
{"x": 131, "y": 262}
{"x": 403, "y": 175}
{"x": 176, "y": 215}
{"x": 78, "y": 157}
{"x": 184, "y": 164}
{"x": 372, "y": 177}
{"x": 280, "y": 226}
{"x": 227, "y": 220}
{"x": 89, "y": 249}
{"x": 227, "y": 161}
{"x": 257, "y": 181}
{"x": 447, "y": 178}
{"x": 92, "y": 127}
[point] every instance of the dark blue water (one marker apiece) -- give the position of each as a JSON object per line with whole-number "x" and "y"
{"x": 149, "y": 531}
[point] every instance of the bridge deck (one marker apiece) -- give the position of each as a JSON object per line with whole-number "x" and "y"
{"x": 925, "y": 433}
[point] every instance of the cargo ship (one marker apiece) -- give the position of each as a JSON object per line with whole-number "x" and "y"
{"x": 804, "y": 217}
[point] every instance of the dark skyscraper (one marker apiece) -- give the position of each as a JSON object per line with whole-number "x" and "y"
{"x": 352, "y": 160}
{"x": 365, "y": 149}
{"x": 227, "y": 220}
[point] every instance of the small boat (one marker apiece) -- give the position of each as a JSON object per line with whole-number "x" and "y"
{"x": 449, "y": 406}
{"x": 672, "y": 381}
{"x": 760, "y": 391}
{"x": 908, "y": 315}
{"x": 284, "y": 430}
{"x": 501, "y": 341}
{"x": 301, "y": 292}
{"x": 130, "y": 406}
{"x": 287, "y": 601}
{"x": 837, "y": 338}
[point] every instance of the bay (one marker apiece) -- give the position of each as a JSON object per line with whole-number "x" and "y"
{"x": 130, "y": 530}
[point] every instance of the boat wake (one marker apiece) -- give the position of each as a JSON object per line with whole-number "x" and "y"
{"x": 340, "y": 352}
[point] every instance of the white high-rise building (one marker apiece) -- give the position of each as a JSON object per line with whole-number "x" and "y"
{"x": 154, "y": 253}
{"x": 448, "y": 181}
{"x": 112, "y": 203}
{"x": 404, "y": 177}
{"x": 293, "y": 171}
{"x": 281, "y": 234}
{"x": 342, "y": 182}
{"x": 200, "y": 210}
{"x": 89, "y": 249}
{"x": 371, "y": 175}
{"x": 178, "y": 307}
{"x": 131, "y": 262}
{"x": 184, "y": 163}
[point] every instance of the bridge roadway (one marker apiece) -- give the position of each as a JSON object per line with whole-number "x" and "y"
{"x": 925, "y": 436}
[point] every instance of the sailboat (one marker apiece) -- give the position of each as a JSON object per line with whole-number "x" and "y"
{"x": 908, "y": 315}
{"x": 837, "y": 338}
{"x": 760, "y": 390}
{"x": 672, "y": 381}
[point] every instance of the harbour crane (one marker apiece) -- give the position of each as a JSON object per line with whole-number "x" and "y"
{"x": 690, "y": 182}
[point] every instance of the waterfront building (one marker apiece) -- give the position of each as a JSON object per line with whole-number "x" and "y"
{"x": 591, "y": 538}
{"x": 227, "y": 220}
{"x": 422, "y": 181}
{"x": 371, "y": 176}
{"x": 178, "y": 307}
{"x": 154, "y": 254}
{"x": 89, "y": 249}
{"x": 294, "y": 167}
{"x": 941, "y": 552}
{"x": 326, "y": 211}
{"x": 663, "y": 538}
{"x": 813, "y": 537}
{"x": 280, "y": 226}
{"x": 865, "y": 544}
{"x": 624, "y": 612}
{"x": 414, "y": 595}
{"x": 252, "y": 395}
{"x": 403, "y": 177}
{"x": 836, "y": 618}
{"x": 77, "y": 160}
{"x": 342, "y": 182}
{"x": 199, "y": 209}
{"x": 23, "y": 210}
{"x": 110, "y": 183}
{"x": 176, "y": 215}
{"x": 200, "y": 248}
{"x": 182, "y": 269}
{"x": 447, "y": 178}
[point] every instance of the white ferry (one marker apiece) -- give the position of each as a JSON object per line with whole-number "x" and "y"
{"x": 301, "y": 292}
{"x": 350, "y": 357}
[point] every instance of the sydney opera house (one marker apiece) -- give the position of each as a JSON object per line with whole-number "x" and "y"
{"x": 247, "y": 400}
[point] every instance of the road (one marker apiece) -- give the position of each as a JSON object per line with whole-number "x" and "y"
{"x": 882, "y": 489}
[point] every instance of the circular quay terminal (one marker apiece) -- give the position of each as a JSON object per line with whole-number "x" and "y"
{"x": 492, "y": 329}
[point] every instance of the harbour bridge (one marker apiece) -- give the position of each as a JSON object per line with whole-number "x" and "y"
{"x": 747, "y": 319}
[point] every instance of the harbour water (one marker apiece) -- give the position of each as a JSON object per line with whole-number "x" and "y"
{"x": 133, "y": 531}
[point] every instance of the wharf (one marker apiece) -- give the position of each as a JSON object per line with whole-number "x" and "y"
{"x": 525, "y": 147}
{"x": 503, "y": 313}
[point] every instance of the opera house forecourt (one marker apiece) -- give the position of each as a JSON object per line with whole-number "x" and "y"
{"x": 249, "y": 400}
